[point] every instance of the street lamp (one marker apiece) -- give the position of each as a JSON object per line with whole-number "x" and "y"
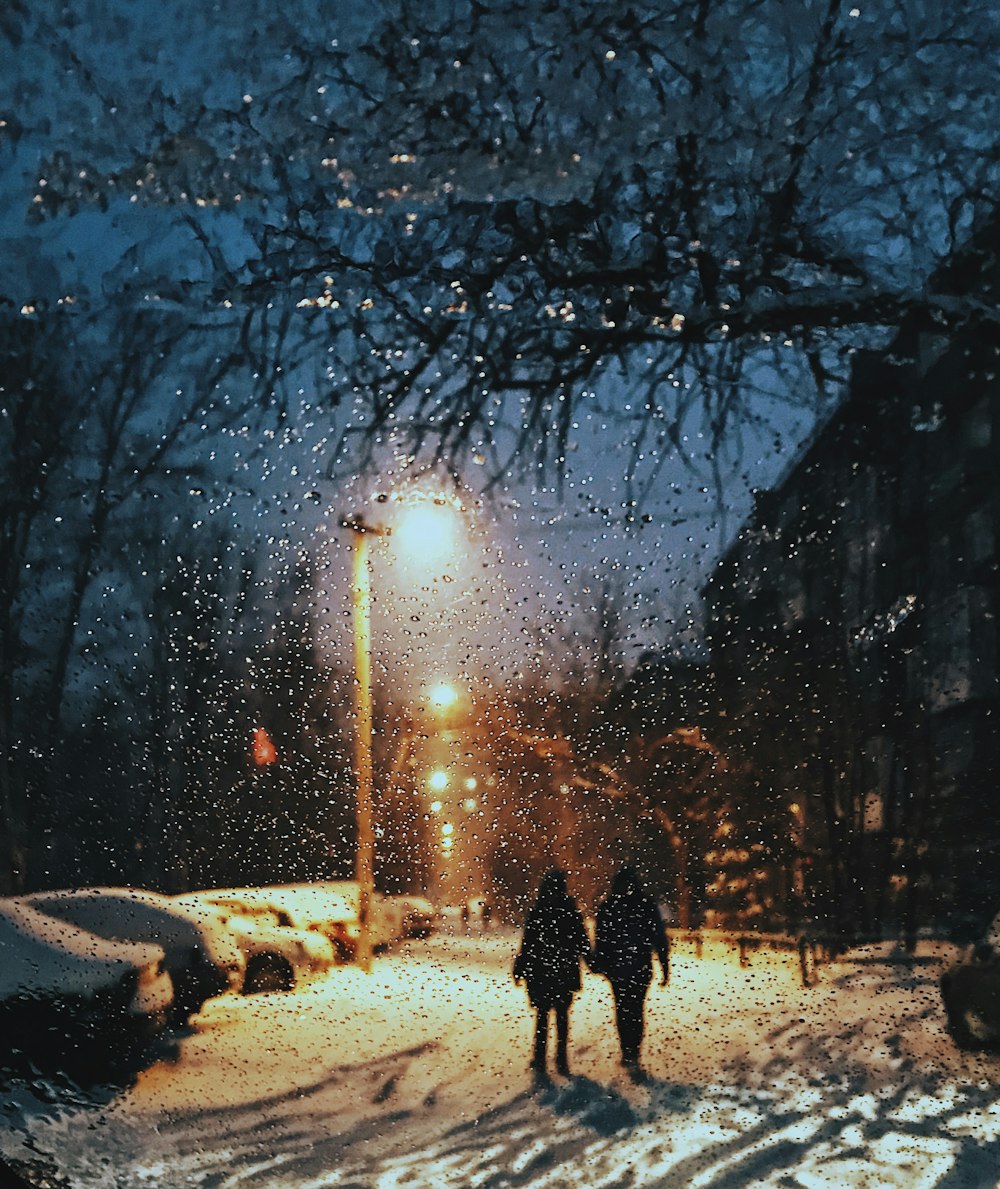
{"x": 438, "y": 780}
{"x": 428, "y": 526}
{"x": 423, "y": 528}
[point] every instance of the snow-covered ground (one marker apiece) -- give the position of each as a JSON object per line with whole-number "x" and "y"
{"x": 417, "y": 1075}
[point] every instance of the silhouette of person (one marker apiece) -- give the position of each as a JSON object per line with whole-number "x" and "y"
{"x": 629, "y": 932}
{"x": 554, "y": 941}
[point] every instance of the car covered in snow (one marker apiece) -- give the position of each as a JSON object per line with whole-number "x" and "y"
{"x": 72, "y": 1001}
{"x": 970, "y": 990}
{"x": 278, "y": 955}
{"x": 417, "y": 914}
{"x": 333, "y": 906}
{"x": 327, "y": 907}
{"x": 200, "y": 953}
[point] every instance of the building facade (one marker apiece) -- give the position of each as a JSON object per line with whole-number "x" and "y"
{"x": 853, "y": 628}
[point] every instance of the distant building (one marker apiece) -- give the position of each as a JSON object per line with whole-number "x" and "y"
{"x": 853, "y": 630}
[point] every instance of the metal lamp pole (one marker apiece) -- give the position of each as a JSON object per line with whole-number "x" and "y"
{"x": 365, "y": 861}
{"x": 365, "y": 855}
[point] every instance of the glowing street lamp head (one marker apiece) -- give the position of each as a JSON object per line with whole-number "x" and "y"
{"x": 438, "y": 780}
{"x": 427, "y": 530}
{"x": 442, "y": 696}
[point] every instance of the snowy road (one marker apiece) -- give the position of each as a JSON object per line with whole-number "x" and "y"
{"x": 416, "y": 1075}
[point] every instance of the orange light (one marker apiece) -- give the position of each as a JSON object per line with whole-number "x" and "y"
{"x": 427, "y": 531}
{"x": 264, "y": 751}
{"x": 443, "y": 696}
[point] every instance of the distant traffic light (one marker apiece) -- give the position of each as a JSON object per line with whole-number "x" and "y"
{"x": 264, "y": 751}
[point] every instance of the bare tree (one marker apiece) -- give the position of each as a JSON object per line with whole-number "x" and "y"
{"x": 36, "y": 428}
{"x": 481, "y": 221}
{"x": 88, "y": 445}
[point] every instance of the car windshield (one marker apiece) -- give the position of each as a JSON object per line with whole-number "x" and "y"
{"x": 499, "y": 577}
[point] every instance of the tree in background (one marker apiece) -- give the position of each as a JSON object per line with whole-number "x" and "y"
{"x": 85, "y": 441}
{"x": 251, "y": 754}
{"x": 482, "y": 223}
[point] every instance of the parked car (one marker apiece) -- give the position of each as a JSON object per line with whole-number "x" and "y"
{"x": 338, "y": 901}
{"x": 417, "y": 915}
{"x": 453, "y": 918}
{"x": 201, "y": 955}
{"x": 278, "y": 955}
{"x": 71, "y": 1001}
{"x": 970, "y": 989}
{"x": 328, "y": 907}
{"x": 294, "y": 906}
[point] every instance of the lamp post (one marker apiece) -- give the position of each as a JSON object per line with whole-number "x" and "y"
{"x": 424, "y": 528}
{"x": 365, "y": 855}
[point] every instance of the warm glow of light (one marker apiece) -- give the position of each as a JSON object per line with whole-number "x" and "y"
{"x": 446, "y": 843}
{"x": 264, "y": 751}
{"x": 426, "y": 530}
{"x": 471, "y": 784}
{"x": 447, "y": 828}
{"x": 438, "y": 780}
{"x": 437, "y": 806}
{"x": 470, "y": 803}
{"x": 442, "y": 696}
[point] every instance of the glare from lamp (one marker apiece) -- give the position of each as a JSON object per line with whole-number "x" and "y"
{"x": 442, "y": 696}
{"x": 426, "y": 531}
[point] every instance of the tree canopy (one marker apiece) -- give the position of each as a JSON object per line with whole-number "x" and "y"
{"x": 475, "y": 223}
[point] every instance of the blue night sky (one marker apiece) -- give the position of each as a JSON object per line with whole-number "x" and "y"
{"x": 547, "y": 542}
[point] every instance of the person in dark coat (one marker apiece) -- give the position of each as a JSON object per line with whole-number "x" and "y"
{"x": 555, "y": 939}
{"x": 629, "y": 932}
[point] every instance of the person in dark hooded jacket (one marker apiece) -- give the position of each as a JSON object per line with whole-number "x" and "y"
{"x": 555, "y": 939}
{"x": 629, "y": 932}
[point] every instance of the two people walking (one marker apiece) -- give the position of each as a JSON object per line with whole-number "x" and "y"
{"x": 629, "y": 933}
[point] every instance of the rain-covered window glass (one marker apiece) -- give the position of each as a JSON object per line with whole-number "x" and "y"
{"x": 498, "y": 593}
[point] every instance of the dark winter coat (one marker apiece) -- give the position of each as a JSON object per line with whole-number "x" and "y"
{"x": 555, "y": 939}
{"x": 629, "y": 932}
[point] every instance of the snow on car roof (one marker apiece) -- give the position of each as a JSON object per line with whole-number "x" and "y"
{"x": 121, "y": 912}
{"x": 414, "y": 901}
{"x": 329, "y": 900}
{"x": 46, "y": 956}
